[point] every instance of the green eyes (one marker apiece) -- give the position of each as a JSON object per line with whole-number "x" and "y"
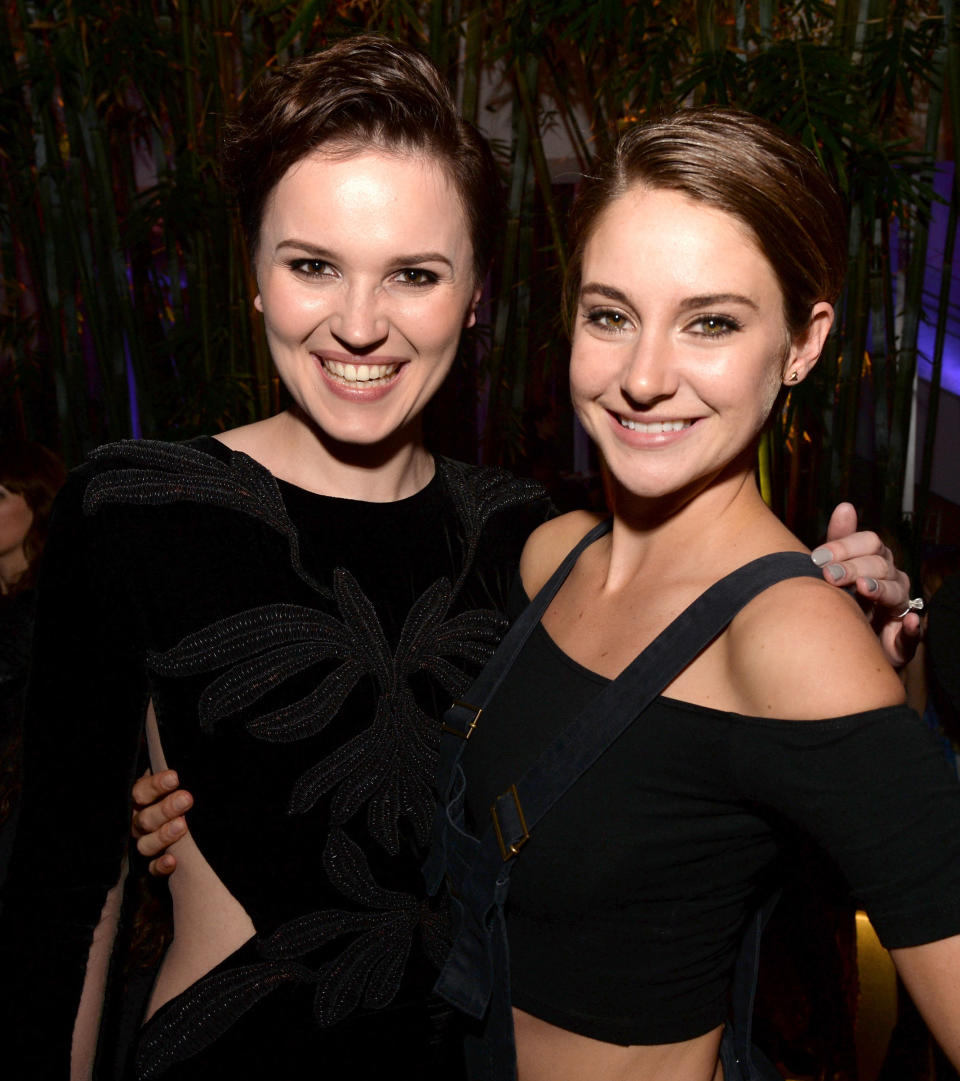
{"x": 716, "y": 326}
{"x": 706, "y": 326}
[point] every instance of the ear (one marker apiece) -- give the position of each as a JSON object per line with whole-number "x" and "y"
{"x": 806, "y": 347}
{"x": 470, "y": 318}
{"x": 258, "y": 303}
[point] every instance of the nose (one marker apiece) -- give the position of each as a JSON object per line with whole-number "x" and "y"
{"x": 359, "y": 322}
{"x": 650, "y": 373}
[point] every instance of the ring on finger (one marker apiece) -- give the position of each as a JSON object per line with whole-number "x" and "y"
{"x": 913, "y": 605}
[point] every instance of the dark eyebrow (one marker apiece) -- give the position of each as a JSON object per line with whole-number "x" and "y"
{"x": 718, "y": 298}
{"x": 422, "y": 257}
{"x": 305, "y": 246}
{"x": 706, "y": 301}
{"x": 607, "y": 291}
{"x": 401, "y": 260}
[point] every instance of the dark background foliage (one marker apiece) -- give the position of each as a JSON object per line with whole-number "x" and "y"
{"x": 126, "y": 303}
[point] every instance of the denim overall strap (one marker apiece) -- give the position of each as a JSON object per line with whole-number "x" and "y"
{"x": 461, "y": 718}
{"x": 741, "y": 1060}
{"x": 474, "y": 977}
{"x": 516, "y": 811}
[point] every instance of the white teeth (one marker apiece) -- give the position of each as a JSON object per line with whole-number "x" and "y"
{"x": 657, "y": 427}
{"x": 359, "y": 373}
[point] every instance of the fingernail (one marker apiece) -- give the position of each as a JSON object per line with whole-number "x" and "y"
{"x": 181, "y": 802}
{"x": 835, "y": 571}
{"x": 872, "y": 585}
{"x": 820, "y": 556}
{"x": 169, "y": 780}
{"x": 176, "y": 828}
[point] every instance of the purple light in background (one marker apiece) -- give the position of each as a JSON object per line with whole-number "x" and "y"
{"x": 135, "y": 427}
{"x": 950, "y": 375}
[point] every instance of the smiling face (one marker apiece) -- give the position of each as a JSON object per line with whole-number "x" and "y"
{"x": 680, "y": 343}
{"x": 366, "y": 280}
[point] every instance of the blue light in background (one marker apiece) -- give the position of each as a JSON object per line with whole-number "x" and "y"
{"x": 950, "y": 376}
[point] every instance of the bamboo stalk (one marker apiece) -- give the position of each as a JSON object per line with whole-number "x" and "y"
{"x": 943, "y": 307}
{"x": 952, "y": 79}
{"x": 505, "y": 297}
{"x": 472, "y": 62}
{"x": 912, "y": 304}
{"x": 525, "y": 76}
{"x": 855, "y": 346}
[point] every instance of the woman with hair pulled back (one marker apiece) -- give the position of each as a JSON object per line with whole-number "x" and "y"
{"x": 621, "y": 778}
{"x": 283, "y": 611}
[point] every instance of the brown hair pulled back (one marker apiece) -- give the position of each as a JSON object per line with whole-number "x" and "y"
{"x": 37, "y": 474}
{"x": 363, "y": 92}
{"x": 740, "y": 164}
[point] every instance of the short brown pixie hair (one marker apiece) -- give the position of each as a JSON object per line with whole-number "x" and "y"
{"x": 736, "y": 162}
{"x": 365, "y": 91}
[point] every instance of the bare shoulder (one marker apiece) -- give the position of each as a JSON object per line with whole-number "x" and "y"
{"x": 549, "y": 543}
{"x": 803, "y": 650}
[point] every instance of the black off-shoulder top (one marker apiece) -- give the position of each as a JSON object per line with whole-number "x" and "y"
{"x": 627, "y": 905}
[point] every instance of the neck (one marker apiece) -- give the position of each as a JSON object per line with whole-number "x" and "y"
{"x": 295, "y": 450}
{"x": 710, "y": 530}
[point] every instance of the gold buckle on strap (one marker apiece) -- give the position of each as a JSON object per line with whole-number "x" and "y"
{"x": 477, "y": 710}
{"x": 511, "y": 850}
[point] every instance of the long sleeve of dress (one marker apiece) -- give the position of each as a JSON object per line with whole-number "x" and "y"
{"x": 85, "y": 704}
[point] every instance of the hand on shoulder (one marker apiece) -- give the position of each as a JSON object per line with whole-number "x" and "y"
{"x": 803, "y": 650}
{"x": 549, "y": 543}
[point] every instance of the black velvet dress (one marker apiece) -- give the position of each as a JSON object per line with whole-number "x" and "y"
{"x": 298, "y": 650}
{"x": 16, "y": 627}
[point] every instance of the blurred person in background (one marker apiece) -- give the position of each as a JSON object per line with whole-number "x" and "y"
{"x": 30, "y": 476}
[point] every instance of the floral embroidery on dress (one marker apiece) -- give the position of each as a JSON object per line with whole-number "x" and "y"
{"x": 390, "y": 764}
{"x": 367, "y": 972}
{"x": 175, "y": 472}
{"x": 477, "y": 495}
{"x": 386, "y": 768}
{"x": 369, "y": 969}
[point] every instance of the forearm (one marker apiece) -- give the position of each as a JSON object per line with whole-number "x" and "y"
{"x": 931, "y": 973}
{"x": 87, "y": 1025}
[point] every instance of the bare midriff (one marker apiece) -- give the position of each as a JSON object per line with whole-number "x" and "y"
{"x": 548, "y": 1053}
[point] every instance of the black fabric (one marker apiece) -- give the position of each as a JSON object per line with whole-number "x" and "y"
{"x": 943, "y": 646}
{"x": 297, "y": 649}
{"x": 16, "y": 629}
{"x": 626, "y": 908}
{"x": 476, "y": 975}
